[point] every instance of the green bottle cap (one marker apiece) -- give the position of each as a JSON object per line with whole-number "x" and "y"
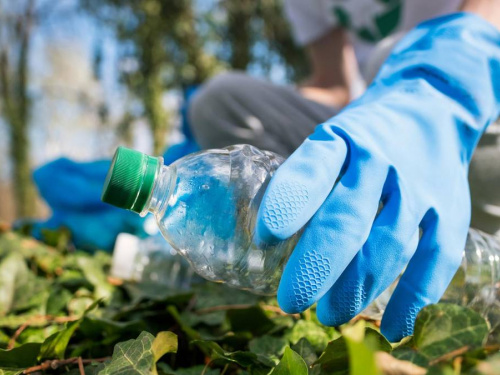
{"x": 130, "y": 179}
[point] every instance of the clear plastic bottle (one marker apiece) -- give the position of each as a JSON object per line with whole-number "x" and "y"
{"x": 149, "y": 260}
{"x": 205, "y": 205}
{"x": 475, "y": 285}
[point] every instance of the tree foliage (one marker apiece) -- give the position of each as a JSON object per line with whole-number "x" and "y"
{"x": 163, "y": 46}
{"x": 16, "y": 27}
{"x": 173, "y": 44}
{"x": 160, "y": 49}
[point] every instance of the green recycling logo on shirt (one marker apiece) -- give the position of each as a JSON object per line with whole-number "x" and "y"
{"x": 370, "y": 20}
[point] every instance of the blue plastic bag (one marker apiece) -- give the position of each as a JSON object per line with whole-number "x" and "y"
{"x": 73, "y": 192}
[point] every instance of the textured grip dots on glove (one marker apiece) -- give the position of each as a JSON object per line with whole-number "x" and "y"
{"x": 349, "y": 302}
{"x": 311, "y": 273}
{"x": 406, "y": 320}
{"x": 284, "y": 204}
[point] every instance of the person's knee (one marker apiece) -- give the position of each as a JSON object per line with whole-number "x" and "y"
{"x": 214, "y": 94}
{"x": 212, "y": 102}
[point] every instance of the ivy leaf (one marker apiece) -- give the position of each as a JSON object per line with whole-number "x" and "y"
{"x": 91, "y": 369}
{"x": 15, "y": 360}
{"x": 20, "y": 289}
{"x": 97, "y": 327}
{"x": 164, "y": 342}
{"x": 150, "y": 291}
{"x": 305, "y": 350}
{"x": 290, "y": 364}
{"x": 443, "y": 328}
{"x": 4, "y": 338}
{"x": 45, "y": 285}
{"x": 58, "y": 300}
{"x": 253, "y": 319}
{"x": 353, "y": 353}
{"x": 314, "y": 333}
{"x": 361, "y": 355}
{"x": 190, "y": 332}
{"x": 376, "y": 341}
{"x": 93, "y": 272}
{"x": 242, "y": 358}
{"x": 195, "y": 370}
{"x": 335, "y": 358}
{"x": 11, "y": 371}
{"x": 55, "y": 345}
{"x": 211, "y": 295}
{"x": 22, "y": 356}
{"x": 405, "y": 353}
{"x": 268, "y": 345}
{"x": 139, "y": 356}
{"x": 37, "y": 334}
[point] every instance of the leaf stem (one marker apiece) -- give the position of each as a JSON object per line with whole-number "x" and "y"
{"x": 36, "y": 319}
{"x": 271, "y": 308}
{"x": 80, "y": 366}
{"x": 12, "y": 341}
{"x": 53, "y": 364}
{"x": 450, "y": 355}
{"x": 205, "y": 368}
{"x": 224, "y": 369}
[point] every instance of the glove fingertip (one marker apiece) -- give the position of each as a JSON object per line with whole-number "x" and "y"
{"x": 284, "y": 211}
{"x": 392, "y": 334}
{"x": 327, "y": 316}
{"x": 264, "y": 235}
{"x": 399, "y": 323}
{"x": 287, "y": 304}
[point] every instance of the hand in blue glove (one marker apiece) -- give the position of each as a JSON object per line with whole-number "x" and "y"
{"x": 406, "y": 144}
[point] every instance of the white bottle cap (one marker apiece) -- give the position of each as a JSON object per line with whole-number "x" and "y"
{"x": 124, "y": 256}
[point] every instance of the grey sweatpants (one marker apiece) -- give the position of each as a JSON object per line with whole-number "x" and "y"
{"x": 234, "y": 108}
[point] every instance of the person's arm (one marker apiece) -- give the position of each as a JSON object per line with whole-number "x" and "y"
{"x": 487, "y": 9}
{"x": 332, "y": 63}
{"x": 406, "y": 142}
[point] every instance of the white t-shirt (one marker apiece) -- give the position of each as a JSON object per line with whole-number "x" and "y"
{"x": 368, "y": 21}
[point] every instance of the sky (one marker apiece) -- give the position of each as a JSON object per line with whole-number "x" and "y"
{"x": 61, "y": 66}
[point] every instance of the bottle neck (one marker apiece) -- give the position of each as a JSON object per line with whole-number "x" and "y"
{"x": 162, "y": 190}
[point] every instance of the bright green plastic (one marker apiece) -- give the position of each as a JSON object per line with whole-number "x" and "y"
{"x": 130, "y": 179}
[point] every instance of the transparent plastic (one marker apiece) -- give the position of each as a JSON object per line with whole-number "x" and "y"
{"x": 157, "y": 262}
{"x": 150, "y": 260}
{"x": 476, "y": 283}
{"x": 206, "y": 204}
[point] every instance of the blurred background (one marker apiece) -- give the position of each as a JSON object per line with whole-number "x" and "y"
{"x": 79, "y": 77}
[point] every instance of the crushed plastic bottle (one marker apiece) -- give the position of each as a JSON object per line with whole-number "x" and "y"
{"x": 475, "y": 285}
{"x": 205, "y": 205}
{"x": 149, "y": 260}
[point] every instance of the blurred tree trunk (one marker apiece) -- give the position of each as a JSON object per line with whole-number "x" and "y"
{"x": 183, "y": 30}
{"x": 152, "y": 58}
{"x": 161, "y": 36}
{"x": 177, "y": 43}
{"x": 239, "y": 33}
{"x": 16, "y": 108}
{"x": 277, "y": 32}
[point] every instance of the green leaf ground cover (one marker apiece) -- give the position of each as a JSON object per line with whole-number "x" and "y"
{"x": 58, "y": 308}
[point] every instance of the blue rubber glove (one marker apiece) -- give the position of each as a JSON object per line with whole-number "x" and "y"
{"x": 406, "y": 143}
